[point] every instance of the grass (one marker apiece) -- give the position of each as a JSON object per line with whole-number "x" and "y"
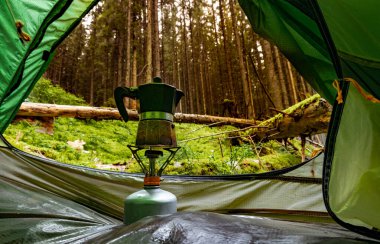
{"x": 103, "y": 144}
{"x": 106, "y": 146}
{"x": 45, "y": 92}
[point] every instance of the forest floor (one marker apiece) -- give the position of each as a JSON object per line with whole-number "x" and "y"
{"x": 103, "y": 145}
{"x": 205, "y": 150}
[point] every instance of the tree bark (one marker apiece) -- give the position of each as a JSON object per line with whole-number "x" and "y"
{"x": 281, "y": 78}
{"x": 201, "y": 78}
{"x": 270, "y": 74}
{"x": 292, "y": 81}
{"x": 127, "y": 80}
{"x": 194, "y": 72}
{"x": 148, "y": 33}
{"x": 228, "y": 90}
{"x": 186, "y": 69}
{"x": 92, "y": 83}
{"x": 120, "y": 47}
{"x": 156, "y": 42}
{"x": 220, "y": 89}
{"x": 134, "y": 29}
{"x": 84, "y": 112}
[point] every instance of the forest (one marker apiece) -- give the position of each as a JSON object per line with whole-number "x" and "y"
{"x": 205, "y": 48}
{"x": 184, "y": 121}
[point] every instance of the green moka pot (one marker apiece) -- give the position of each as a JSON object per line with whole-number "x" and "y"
{"x": 150, "y": 201}
{"x": 157, "y": 103}
{"x": 157, "y": 100}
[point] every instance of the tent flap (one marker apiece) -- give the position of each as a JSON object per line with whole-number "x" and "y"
{"x": 47, "y": 23}
{"x": 350, "y": 191}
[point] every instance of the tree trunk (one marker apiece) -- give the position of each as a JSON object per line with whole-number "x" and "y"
{"x": 148, "y": 44}
{"x": 164, "y": 72}
{"x": 135, "y": 30}
{"x": 127, "y": 80}
{"x": 243, "y": 73}
{"x": 92, "y": 70}
{"x": 120, "y": 46}
{"x": 114, "y": 64}
{"x": 292, "y": 81}
{"x": 156, "y": 42}
{"x": 220, "y": 89}
{"x": 228, "y": 92}
{"x": 201, "y": 78}
{"x": 61, "y": 67}
{"x": 304, "y": 92}
{"x": 186, "y": 69}
{"x": 195, "y": 73}
{"x": 281, "y": 78}
{"x": 273, "y": 85}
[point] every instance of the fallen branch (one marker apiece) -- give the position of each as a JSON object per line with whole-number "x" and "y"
{"x": 207, "y": 119}
{"x": 308, "y": 117}
{"x": 217, "y": 134}
{"x": 281, "y": 112}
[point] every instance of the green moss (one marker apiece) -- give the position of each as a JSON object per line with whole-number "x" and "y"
{"x": 279, "y": 161}
{"x": 303, "y": 103}
{"x": 105, "y": 141}
{"x": 106, "y": 144}
{"x": 272, "y": 122}
{"x": 45, "y": 92}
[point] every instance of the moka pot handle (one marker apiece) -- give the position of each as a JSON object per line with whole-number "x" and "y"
{"x": 119, "y": 94}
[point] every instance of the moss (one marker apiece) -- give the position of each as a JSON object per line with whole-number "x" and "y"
{"x": 273, "y": 122}
{"x": 105, "y": 140}
{"x": 106, "y": 143}
{"x": 302, "y": 104}
{"x": 250, "y": 165}
{"x": 45, "y": 92}
{"x": 279, "y": 161}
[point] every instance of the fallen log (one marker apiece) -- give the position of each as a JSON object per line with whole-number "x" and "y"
{"x": 84, "y": 112}
{"x": 305, "y": 118}
{"x": 308, "y": 117}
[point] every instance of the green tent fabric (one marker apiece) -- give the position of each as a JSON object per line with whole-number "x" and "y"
{"x": 23, "y": 63}
{"x": 292, "y": 26}
{"x": 355, "y": 192}
{"x": 325, "y": 40}
{"x": 355, "y": 31}
{"x": 297, "y": 36}
{"x": 328, "y": 40}
{"x": 43, "y": 201}
{"x": 104, "y": 191}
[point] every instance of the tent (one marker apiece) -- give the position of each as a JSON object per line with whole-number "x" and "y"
{"x": 44, "y": 201}
{"x": 326, "y": 41}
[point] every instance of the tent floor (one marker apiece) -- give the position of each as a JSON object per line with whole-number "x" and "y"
{"x": 182, "y": 227}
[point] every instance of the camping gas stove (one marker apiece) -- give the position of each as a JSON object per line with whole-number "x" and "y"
{"x": 155, "y": 135}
